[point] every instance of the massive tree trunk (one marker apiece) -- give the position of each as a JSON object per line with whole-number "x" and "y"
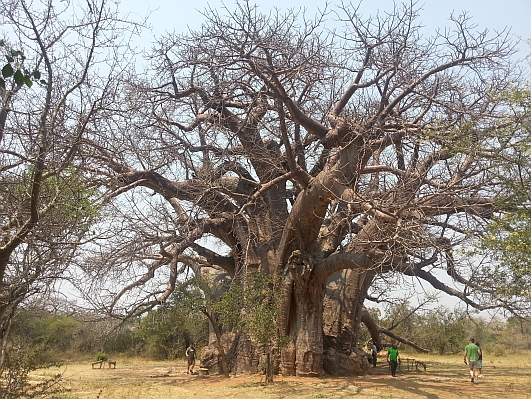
{"x": 346, "y": 293}
{"x": 304, "y": 354}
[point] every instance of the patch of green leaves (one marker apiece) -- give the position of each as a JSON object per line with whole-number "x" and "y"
{"x": 19, "y": 365}
{"x": 14, "y": 69}
{"x": 252, "y": 307}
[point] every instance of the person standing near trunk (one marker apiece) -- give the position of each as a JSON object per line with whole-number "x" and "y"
{"x": 190, "y": 357}
{"x": 374, "y": 354}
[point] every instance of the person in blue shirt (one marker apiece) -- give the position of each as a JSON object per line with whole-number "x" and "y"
{"x": 374, "y": 354}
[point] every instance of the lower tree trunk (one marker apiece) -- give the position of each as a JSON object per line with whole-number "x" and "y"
{"x": 346, "y": 292}
{"x": 6, "y": 321}
{"x": 217, "y": 332}
{"x": 308, "y": 335}
{"x": 303, "y": 356}
{"x": 269, "y": 367}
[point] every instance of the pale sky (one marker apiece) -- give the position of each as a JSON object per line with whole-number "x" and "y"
{"x": 169, "y": 16}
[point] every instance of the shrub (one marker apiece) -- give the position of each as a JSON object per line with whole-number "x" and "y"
{"x": 16, "y": 383}
{"x": 498, "y": 350}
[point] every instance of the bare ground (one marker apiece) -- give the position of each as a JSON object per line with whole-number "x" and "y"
{"x": 445, "y": 377}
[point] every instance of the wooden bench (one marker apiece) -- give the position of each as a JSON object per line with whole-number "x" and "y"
{"x": 99, "y": 362}
{"x": 412, "y": 363}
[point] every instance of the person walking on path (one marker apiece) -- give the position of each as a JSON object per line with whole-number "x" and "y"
{"x": 480, "y": 361}
{"x": 471, "y": 356}
{"x": 190, "y": 356}
{"x": 374, "y": 354}
{"x": 393, "y": 358}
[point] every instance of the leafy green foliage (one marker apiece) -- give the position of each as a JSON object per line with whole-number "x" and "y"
{"x": 439, "y": 330}
{"x": 515, "y": 334}
{"x": 166, "y": 331}
{"x": 61, "y": 336}
{"x": 55, "y": 335}
{"x": 66, "y": 202}
{"x": 252, "y": 308}
{"x": 15, "y": 381}
{"x": 163, "y": 333}
{"x": 444, "y": 330}
{"x": 14, "y": 68}
{"x": 120, "y": 340}
{"x": 508, "y": 239}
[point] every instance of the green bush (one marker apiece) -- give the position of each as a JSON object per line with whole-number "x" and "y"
{"x": 15, "y": 380}
{"x": 165, "y": 332}
{"x": 102, "y": 357}
{"x": 498, "y": 350}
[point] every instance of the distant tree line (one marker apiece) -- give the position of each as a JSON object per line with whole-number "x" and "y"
{"x": 165, "y": 332}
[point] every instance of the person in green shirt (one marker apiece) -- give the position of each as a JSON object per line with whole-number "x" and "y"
{"x": 471, "y": 357}
{"x": 393, "y": 358}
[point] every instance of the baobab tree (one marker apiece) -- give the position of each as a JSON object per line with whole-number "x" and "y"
{"x": 266, "y": 141}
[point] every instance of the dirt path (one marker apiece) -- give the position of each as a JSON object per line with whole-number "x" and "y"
{"x": 164, "y": 381}
{"x": 378, "y": 385}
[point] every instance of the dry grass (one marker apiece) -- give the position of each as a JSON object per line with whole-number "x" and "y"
{"x": 446, "y": 377}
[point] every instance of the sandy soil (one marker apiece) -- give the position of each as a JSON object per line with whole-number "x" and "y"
{"x": 445, "y": 378}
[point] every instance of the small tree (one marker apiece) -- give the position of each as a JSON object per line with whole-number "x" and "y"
{"x": 167, "y": 330}
{"x": 253, "y": 309}
{"x": 45, "y": 199}
{"x": 15, "y": 382}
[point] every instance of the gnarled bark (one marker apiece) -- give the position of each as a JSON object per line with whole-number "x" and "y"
{"x": 304, "y": 355}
